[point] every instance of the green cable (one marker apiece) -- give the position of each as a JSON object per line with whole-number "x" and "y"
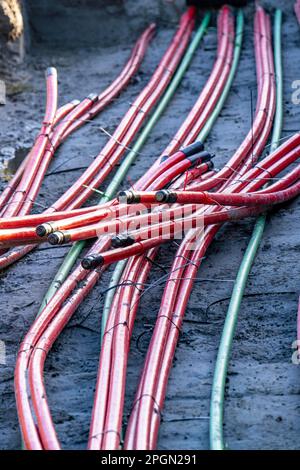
{"x": 62, "y": 273}
{"x": 218, "y": 386}
{"x": 112, "y": 287}
{"x": 277, "y": 128}
{"x": 77, "y": 248}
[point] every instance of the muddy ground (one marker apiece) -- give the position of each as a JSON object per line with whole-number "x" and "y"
{"x": 262, "y": 407}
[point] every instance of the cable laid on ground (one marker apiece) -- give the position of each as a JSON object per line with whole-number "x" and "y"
{"x": 26, "y": 420}
{"x": 207, "y": 99}
{"x": 39, "y": 147}
{"x": 139, "y": 429}
{"x": 265, "y": 196}
{"x": 75, "y": 120}
{"x": 110, "y": 192}
{"x": 128, "y": 219}
{"x": 47, "y": 437}
{"x": 13, "y": 183}
{"x": 111, "y": 438}
{"x": 104, "y": 98}
{"x": 221, "y": 367}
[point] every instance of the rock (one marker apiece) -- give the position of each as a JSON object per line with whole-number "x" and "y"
{"x": 11, "y": 19}
{"x": 12, "y": 28}
{"x": 7, "y": 152}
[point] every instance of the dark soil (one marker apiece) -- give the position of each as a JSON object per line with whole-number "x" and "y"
{"x": 262, "y": 407}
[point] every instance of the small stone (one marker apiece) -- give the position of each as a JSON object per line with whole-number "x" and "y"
{"x": 8, "y": 152}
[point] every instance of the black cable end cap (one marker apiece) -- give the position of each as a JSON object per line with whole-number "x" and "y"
{"x": 165, "y": 196}
{"x": 54, "y": 239}
{"x": 160, "y": 196}
{"x": 193, "y": 148}
{"x": 130, "y": 240}
{"x": 92, "y": 262}
{"x": 128, "y": 197}
{"x": 116, "y": 242}
{"x": 41, "y": 231}
{"x": 122, "y": 240}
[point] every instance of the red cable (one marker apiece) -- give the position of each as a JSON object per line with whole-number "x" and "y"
{"x": 97, "y": 424}
{"x": 142, "y": 434}
{"x": 39, "y": 147}
{"x": 46, "y": 316}
{"x": 130, "y": 265}
{"x": 114, "y": 89}
{"x": 297, "y": 10}
{"x": 33, "y": 220}
{"x": 194, "y": 119}
{"x": 133, "y": 119}
{"x": 108, "y": 94}
{"x": 11, "y": 187}
{"x": 118, "y": 220}
{"x": 100, "y": 176}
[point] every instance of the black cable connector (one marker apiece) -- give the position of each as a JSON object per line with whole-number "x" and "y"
{"x": 128, "y": 197}
{"x": 188, "y": 151}
{"x": 44, "y": 229}
{"x": 92, "y": 262}
{"x": 57, "y": 238}
{"x": 164, "y": 195}
{"x": 201, "y": 157}
{"x": 122, "y": 240}
{"x": 193, "y": 148}
{"x": 41, "y": 231}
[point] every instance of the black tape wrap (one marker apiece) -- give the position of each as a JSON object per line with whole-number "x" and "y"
{"x": 193, "y": 148}
{"x": 202, "y": 157}
{"x": 122, "y": 240}
{"x": 92, "y": 261}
